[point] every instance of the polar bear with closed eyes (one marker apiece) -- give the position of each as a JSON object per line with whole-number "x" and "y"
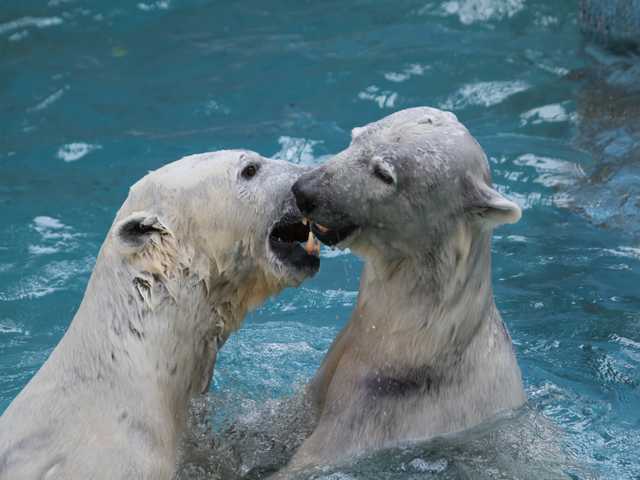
{"x": 196, "y": 245}
{"x": 426, "y": 352}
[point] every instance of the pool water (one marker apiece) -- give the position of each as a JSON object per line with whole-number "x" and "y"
{"x": 95, "y": 94}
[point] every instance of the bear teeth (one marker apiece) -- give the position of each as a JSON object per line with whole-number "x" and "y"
{"x": 312, "y": 247}
{"x": 322, "y": 228}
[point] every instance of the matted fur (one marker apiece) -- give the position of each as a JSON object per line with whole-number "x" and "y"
{"x": 186, "y": 258}
{"x": 426, "y": 352}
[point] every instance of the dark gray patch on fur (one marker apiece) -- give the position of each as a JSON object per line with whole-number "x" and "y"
{"x": 143, "y": 287}
{"x": 23, "y": 449}
{"x": 143, "y": 431}
{"x": 411, "y": 382}
{"x": 136, "y": 231}
{"x": 135, "y": 332}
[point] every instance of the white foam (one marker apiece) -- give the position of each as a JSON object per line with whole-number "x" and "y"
{"x": 625, "y": 342}
{"x": 42, "y": 250}
{"x": 280, "y": 349}
{"x": 159, "y": 5}
{"x": 329, "y": 252}
{"x": 24, "y": 22}
{"x": 9, "y": 326}
{"x": 212, "y": 106}
{"x": 484, "y": 94}
{"x": 546, "y": 20}
{"x": 626, "y": 252}
{"x": 559, "y": 71}
{"x": 552, "y": 113}
{"x": 336, "y": 476}
{"x": 421, "y": 465}
{"x": 51, "y": 228}
{"x": 54, "y": 236}
{"x": 415, "y": 69}
{"x": 54, "y": 97}
{"x": 529, "y": 200}
{"x": 345, "y": 297}
{"x": 72, "y": 152}
{"x": 517, "y": 238}
{"x": 544, "y": 63}
{"x": 17, "y": 36}
{"x": 552, "y": 171}
{"x": 53, "y": 277}
{"x": 383, "y": 98}
{"x": 311, "y": 298}
{"x": 297, "y": 150}
{"x": 472, "y": 11}
{"x": 47, "y": 223}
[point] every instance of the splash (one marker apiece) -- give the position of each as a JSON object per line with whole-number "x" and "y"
{"x": 473, "y": 11}
{"x": 553, "y": 113}
{"x": 383, "y": 98}
{"x": 484, "y": 94}
{"x": 72, "y": 152}
{"x": 297, "y": 150}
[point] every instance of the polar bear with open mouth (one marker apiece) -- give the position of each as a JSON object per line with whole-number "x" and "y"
{"x": 426, "y": 352}
{"x": 196, "y": 245}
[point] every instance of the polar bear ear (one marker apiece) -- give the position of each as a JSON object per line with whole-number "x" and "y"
{"x": 490, "y": 207}
{"x": 133, "y": 233}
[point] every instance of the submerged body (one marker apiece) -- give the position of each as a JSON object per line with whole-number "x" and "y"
{"x": 389, "y": 379}
{"x": 426, "y": 352}
{"x": 191, "y": 251}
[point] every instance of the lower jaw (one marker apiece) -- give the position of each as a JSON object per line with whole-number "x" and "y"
{"x": 335, "y": 237}
{"x": 296, "y": 260}
{"x": 307, "y": 270}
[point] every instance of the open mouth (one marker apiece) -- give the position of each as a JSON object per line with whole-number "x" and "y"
{"x": 294, "y": 244}
{"x": 332, "y": 236}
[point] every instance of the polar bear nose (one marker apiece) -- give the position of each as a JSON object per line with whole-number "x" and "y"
{"x": 304, "y": 198}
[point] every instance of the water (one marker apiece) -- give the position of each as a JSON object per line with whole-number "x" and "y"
{"x": 93, "y": 95}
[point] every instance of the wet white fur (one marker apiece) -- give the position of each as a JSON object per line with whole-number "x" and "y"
{"x": 425, "y": 309}
{"x": 110, "y": 401}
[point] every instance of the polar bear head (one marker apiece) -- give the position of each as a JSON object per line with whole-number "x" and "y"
{"x": 405, "y": 182}
{"x": 227, "y": 218}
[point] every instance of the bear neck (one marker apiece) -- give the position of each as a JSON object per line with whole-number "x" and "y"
{"x": 149, "y": 336}
{"x": 435, "y": 301}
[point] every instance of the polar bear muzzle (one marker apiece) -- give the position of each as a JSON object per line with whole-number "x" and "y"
{"x": 329, "y": 225}
{"x": 293, "y": 243}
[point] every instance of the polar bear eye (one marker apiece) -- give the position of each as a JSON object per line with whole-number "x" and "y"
{"x": 383, "y": 175}
{"x": 250, "y": 171}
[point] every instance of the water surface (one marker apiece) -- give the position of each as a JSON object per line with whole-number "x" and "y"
{"x": 95, "y": 94}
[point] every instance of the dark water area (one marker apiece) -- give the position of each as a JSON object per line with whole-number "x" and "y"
{"x": 95, "y": 94}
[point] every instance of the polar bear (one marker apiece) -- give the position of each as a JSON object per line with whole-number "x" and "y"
{"x": 425, "y": 352}
{"x": 196, "y": 244}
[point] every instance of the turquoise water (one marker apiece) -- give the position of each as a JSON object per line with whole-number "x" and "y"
{"x": 95, "y": 94}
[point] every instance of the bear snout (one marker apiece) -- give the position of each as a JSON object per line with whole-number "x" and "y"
{"x": 306, "y": 198}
